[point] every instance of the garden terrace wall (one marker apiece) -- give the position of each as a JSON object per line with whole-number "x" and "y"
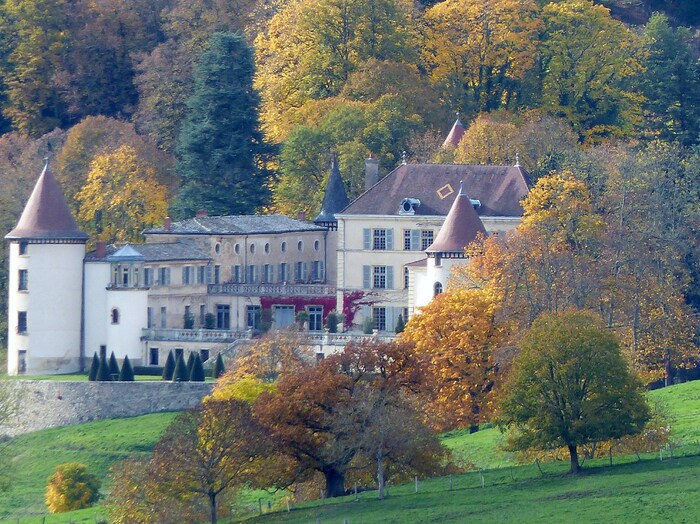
{"x": 48, "y": 404}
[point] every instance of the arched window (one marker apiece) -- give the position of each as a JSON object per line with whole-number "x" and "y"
{"x": 115, "y": 316}
{"x": 437, "y": 288}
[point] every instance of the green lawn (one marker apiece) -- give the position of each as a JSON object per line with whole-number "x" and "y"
{"x": 649, "y": 490}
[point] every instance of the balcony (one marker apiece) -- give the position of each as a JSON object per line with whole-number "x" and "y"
{"x": 193, "y": 335}
{"x": 343, "y": 339}
{"x": 272, "y": 290}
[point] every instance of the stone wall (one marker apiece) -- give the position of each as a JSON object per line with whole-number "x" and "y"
{"x": 47, "y": 404}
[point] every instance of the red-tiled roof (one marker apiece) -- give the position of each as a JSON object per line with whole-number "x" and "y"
{"x": 46, "y": 215}
{"x": 498, "y": 188}
{"x": 460, "y": 228}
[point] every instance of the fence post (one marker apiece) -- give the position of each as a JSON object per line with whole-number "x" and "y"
{"x": 416, "y": 483}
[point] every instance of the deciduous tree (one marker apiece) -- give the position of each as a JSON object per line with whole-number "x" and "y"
{"x": 71, "y": 487}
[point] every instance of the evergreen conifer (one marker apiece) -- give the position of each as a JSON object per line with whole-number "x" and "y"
{"x": 127, "y": 372}
{"x": 169, "y": 367}
{"x": 190, "y": 363}
{"x": 103, "y": 374}
{"x": 113, "y": 365}
{"x": 219, "y": 367}
{"x": 94, "y": 368}
{"x": 197, "y": 372}
{"x": 400, "y": 325}
{"x": 180, "y": 372}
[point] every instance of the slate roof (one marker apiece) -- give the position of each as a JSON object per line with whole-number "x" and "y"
{"x": 460, "y": 228}
{"x": 454, "y": 136}
{"x": 335, "y": 199}
{"x": 235, "y": 224}
{"x": 46, "y": 215}
{"x": 498, "y": 188}
{"x": 156, "y": 252}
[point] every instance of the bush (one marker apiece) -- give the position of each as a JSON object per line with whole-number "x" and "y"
{"x": 332, "y": 322}
{"x": 209, "y": 321}
{"x": 71, "y": 487}
{"x": 368, "y": 325}
{"x": 197, "y": 372}
{"x": 188, "y": 321}
{"x": 169, "y": 367}
{"x": 400, "y": 325}
{"x": 103, "y": 374}
{"x": 94, "y": 368}
{"x": 127, "y": 373}
{"x": 190, "y": 363}
{"x": 113, "y": 366}
{"x": 219, "y": 367}
{"x": 180, "y": 372}
{"x": 149, "y": 371}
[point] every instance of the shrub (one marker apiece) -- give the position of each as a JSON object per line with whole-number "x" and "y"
{"x": 113, "y": 366}
{"x": 188, "y": 321}
{"x": 197, "y": 372}
{"x": 94, "y": 368}
{"x": 219, "y": 367}
{"x": 180, "y": 372}
{"x": 127, "y": 373}
{"x": 209, "y": 321}
{"x": 400, "y": 325}
{"x": 332, "y": 322}
{"x": 71, "y": 487}
{"x": 169, "y": 367}
{"x": 190, "y": 363}
{"x": 368, "y": 325}
{"x": 103, "y": 374}
{"x": 149, "y": 371}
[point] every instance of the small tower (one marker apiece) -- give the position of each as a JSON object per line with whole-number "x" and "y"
{"x": 461, "y": 227}
{"x": 334, "y": 200}
{"x": 454, "y": 136}
{"x": 45, "y": 284}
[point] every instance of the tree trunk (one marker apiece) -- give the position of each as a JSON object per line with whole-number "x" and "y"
{"x": 380, "y": 476}
{"x": 335, "y": 483}
{"x": 212, "y": 507}
{"x": 668, "y": 380}
{"x": 573, "y": 452}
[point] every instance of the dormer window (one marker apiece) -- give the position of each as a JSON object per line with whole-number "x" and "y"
{"x": 409, "y": 206}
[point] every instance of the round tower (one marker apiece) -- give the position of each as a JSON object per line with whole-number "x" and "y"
{"x": 46, "y": 255}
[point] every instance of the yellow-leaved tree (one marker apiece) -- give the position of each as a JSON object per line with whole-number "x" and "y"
{"x": 121, "y": 197}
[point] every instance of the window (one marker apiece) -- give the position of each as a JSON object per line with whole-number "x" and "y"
{"x": 378, "y": 277}
{"x": 125, "y": 276}
{"x": 378, "y": 239}
{"x": 253, "y": 317}
{"x": 153, "y": 355}
{"x": 223, "y": 316}
{"x": 188, "y": 319}
{"x": 204, "y": 354}
{"x": 300, "y": 271}
{"x": 237, "y": 249}
{"x": 317, "y": 245}
{"x": 300, "y": 246}
{"x": 283, "y": 247}
{"x": 267, "y": 247}
{"x": 236, "y": 274}
{"x": 187, "y": 275}
{"x": 23, "y": 246}
{"x": 407, "y": 239}
{"x": 379, "y": 316}
{"x": 22, "y": 361}
{"x": 315, "y": 318}
{"x": 406, "y": 278}
{"x": 22, "y": 280}
{"x": 163, "y": 317}
{"x": 426, "y": 238}
{"x": 202, "y": 275}
{"x": 317, "y": 271}
{"x": 267, "y": 274}
{"x": 252, "y": 249}
{"x": 217, "y": 274}
{"x": 147, "y": 276}
{"x": 202, "y": 315}
{"x": 252, "y": 274}
{"x": 21, "y": 322}
{"x": 284, "y": 272}
{"x": 164, "y": 276}
{"x": 437, "y": 288}
{"x": 150, "y": 323}
{"x": 217, "y": 248}
{"x": 115, "y": 316}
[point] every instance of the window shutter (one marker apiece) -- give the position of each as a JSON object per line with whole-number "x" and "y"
{"x": 209, "y": 274}
{"x": 390, "y": 277}
{"x": 321, "y": 271}
{"x": 415, "y": 239}
{"x": 305, "y": 272}
{"x": 366, "y": 277}
{"x": 390, "y": 239}
{"x": 367, "y": 236}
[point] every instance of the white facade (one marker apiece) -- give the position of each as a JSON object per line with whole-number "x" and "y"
{"x": 44, "y": 319}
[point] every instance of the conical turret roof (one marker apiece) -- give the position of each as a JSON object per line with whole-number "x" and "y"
{"x": 461, "y": 227}
{"x": 455, "y": 135}
{"x": 46, "y": 215}
{"x": 335, "y": 199}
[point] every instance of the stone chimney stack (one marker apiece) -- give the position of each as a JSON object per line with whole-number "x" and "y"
{"x": 301, "y": 216}
{"x": 371, "y": 171}
{"x": 167, "y": 223}
{"x": 101, "y": 249}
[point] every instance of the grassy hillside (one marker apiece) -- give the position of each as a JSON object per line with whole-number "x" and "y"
{"x": 659, "y": 489}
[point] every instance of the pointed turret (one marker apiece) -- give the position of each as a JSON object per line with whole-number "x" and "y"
{"x": 47, "y": 215}
{"x": 335, "y": 199}
{"x": 461, "y": 227}
{"x": 455, "y": 135}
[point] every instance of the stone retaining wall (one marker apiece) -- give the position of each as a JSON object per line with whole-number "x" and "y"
{"x": 47, "y": 404}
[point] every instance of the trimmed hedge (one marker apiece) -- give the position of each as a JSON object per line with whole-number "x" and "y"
{"x": 149, "y": 371}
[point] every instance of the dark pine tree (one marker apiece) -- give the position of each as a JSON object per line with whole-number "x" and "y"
{"x": 169, "y": 367}
{"x": 400, "y": 325}
{"x": 94, "y": 368}
{"x": 127, "y": 372}
{"x": 220, "y": 150}
{"x": 113, "y": 365}
{"x": 197, "y": 372}
{"x": 103, "y": 374}
{"x": 180, "y": 373}
{"x": 219, "y": 367}
{"x": 190, "y": 363}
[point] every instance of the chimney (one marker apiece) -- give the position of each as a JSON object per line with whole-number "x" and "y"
{"x": 101, "y": 249}
{"x": 202, "y": 213}
{"x": 371, "y": 171}
{"x": 301, "y": 216}
{"x": 167, "y": 223}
